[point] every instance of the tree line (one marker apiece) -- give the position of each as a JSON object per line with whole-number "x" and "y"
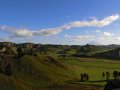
{"x": 106, "y": 76}
{"x": 115, "y": 75}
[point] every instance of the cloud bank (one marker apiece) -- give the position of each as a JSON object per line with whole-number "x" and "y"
{"x": 18, "y": 32}
{"x": 79, "y": 37}
{"x": 108, "y": 34}
{"x": 104, "y": 39}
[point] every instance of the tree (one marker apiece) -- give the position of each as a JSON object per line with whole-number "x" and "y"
{"x": 107, "y": 75}
{"x": 8, "y": 69}
{"x": 82, "y": 77}
{"x": 20, "y": 51}
{"x": 86, "y": 77}
{"x": 43, "y": 49}
{"x": 115, "y": 74}
{"x": 103, "y": 75}
{"x": 119, "y": 75}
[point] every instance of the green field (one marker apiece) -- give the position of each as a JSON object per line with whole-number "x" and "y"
{"x": 43, "y": 71}
{"x": 94, "y": 67}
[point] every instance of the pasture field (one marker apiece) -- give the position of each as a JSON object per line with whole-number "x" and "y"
{"x": 45, "y": 72}
{"x": 94, "y": 68}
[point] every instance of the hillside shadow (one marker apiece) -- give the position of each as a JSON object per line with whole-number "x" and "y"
{"x": 98, "y": 81}
{"x": 84, "y": 82}
{"x": 112, "y": 85}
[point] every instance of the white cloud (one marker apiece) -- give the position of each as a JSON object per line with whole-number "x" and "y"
{"x": 79, "y": 37}
{"x": 18, "y": 32}
{"x": 67, "y": 36}
{"x": 5, "y": 39}
{"x": 47, "y": 32}
{"x": 97, "y": 31}
{"x": 108, "y": 34}
{"x": 105, "y": 39}
{"x": 95, "y": 23}
{"x": 108, "y": 40}
{"x": 86, "y": 37}
{"x": 22, "y": 33}
{"x": 118, "y": 38}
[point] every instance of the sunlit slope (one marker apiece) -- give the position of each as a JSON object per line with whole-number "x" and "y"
{"x": 32, "y": 72}
{"x": 40, "y": 71}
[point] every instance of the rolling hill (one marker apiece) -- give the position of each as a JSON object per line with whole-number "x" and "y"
{"x": 29, "y": 66}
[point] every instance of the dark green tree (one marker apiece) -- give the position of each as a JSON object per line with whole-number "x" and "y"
{"x": 103, "y": 75}
{"x": 82, "y": 77}
{"x": 107, "y": 75}
{"x": 119, "y": 75}
{"x": 115, "y": 74}
{"x": 20, "y": 51}
{"x": 8, "y": 70}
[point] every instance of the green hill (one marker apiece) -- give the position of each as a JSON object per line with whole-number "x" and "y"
{"x": 31, "y": 66}
{"x": 38, "y": 71}
{"x": 111, "y": 54}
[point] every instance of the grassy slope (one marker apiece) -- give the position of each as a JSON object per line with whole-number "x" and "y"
{"x": 71, "y": 69}
{"x": 43, "y": 71}
{"x": 11, "y": 83}
{"x": 40, "y": 71}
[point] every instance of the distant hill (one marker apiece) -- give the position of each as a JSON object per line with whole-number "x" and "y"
{"x": 115, "y": 54}
{"x": 94, "y": 43}
{"x": 10, "y": 48}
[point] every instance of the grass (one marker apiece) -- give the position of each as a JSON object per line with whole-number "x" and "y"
{"x": 75, "y": 66}
{"x": 43, "y": 71}
{"x": 93, "y": 67}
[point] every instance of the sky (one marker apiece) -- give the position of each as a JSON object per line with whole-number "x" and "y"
{"x": 67, "y": 22}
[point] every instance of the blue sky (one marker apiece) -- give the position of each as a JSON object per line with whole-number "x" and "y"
{"x": 60, "y": 21}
